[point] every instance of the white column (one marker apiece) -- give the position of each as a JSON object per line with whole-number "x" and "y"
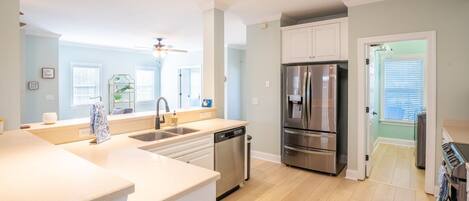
{"x": 213, "y": 70}
{"x": 10, "y": 66}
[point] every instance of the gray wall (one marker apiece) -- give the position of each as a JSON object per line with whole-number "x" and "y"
{"x": 235, "y": 61}
{"x": 113, "y": 61}
{"x": 10, "y": 64}
{"x": 449, "y": 19}
{"x": 39, "y": 52}
{"x": 262, "y": 64}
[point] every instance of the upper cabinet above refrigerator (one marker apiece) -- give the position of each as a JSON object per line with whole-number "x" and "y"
{"x": 315, "y": 42}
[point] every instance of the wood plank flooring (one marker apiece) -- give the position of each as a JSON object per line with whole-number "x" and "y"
{"x": 393, "y": 178}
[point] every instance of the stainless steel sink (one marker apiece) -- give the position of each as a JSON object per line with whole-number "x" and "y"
{"x": 153, "y": 136}
{"x": 180, "y": 130}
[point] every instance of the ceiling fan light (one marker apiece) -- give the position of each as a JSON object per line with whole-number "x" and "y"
{"x": 159, "y": 53}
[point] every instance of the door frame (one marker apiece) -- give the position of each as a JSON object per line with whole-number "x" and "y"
{"x": 430, "y": 87}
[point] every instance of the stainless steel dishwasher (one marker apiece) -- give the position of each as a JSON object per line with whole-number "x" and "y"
{"x": 229, "y": 159}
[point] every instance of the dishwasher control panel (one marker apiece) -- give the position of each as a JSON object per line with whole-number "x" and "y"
{"x": 228, "y": 134}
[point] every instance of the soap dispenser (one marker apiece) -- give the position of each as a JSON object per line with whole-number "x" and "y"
{"x": 174, "y": 119}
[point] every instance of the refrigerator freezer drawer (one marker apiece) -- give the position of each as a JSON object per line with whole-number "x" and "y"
{"x": 310, "y": 139}
{"x": 319, "y": 160}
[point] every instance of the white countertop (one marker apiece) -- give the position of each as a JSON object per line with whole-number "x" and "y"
{"x": 156, "y": 177}
{"x": 456, "y": 131}
{"x": 33, "y": 169}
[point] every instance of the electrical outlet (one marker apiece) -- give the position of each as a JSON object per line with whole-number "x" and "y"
{"x": 205, "y": 115}
{"x": 84, "y": 132}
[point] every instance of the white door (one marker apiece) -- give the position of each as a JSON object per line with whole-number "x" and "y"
{"x": 326, "y": 42}
{"x": 296, "y": 45}
{"x": 371, "y": 115}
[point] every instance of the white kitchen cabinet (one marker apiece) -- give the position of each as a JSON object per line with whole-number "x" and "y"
{"x": 326, "y": 42}
{"x": 315, "y": 42}
{"x": 197, "y": 151}
{"x": 203, "y": 158}
{"x": 296, "y": 45}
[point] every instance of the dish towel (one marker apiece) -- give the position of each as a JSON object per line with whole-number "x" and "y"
{"x": 444, "y": 191}
{"x": 99, "y": 126}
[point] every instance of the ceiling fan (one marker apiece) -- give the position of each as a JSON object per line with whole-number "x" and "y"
{"x": 160, "y": 49}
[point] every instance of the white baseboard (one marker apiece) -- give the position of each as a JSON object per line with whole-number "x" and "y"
{"x": 265, "y": 156}
{"x": 394, "y": 141}
{"x": 351, "y": 174}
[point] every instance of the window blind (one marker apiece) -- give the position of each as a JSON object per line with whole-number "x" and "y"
{"x": 145, "y": 83}
{"x": 403, "y": 89}
{"x": 85, "y": 84}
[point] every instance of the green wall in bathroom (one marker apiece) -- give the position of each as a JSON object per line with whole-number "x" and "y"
{"x": 385, "y": 129}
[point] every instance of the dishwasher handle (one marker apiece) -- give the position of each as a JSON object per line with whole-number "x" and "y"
{"x": 228, "y": 134}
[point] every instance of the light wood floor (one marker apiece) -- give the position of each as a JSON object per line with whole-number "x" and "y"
{"x": 393, "y": 178}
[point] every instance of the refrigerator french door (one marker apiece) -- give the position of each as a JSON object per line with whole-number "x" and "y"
{"x": 311, "y": 97}
{"x": 310, "y": 117}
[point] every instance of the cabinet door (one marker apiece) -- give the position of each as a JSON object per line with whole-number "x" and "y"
{"x": 202, "y": 158}
{"x": 296, "y": 45}
{"x": 326, "y": 42}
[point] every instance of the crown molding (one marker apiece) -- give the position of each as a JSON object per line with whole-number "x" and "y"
{"x": 352, "y": 3}
{"x": 212, "y": 4}
{"x": 104, "y": 47}
{"x": 263, "y": 19}
{"x": 34, "y": 31}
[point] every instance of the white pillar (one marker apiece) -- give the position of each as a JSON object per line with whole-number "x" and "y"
{"x": 10, "y": 66}
{"x": 213, "y": 70}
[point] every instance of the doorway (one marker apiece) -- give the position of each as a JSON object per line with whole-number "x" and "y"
{"x": 189, "y": 87}
{"x": 393, "y": 90}
{"x": 396, "y": 98}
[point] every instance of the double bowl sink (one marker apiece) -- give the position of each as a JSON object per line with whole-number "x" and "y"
{"x": 163, "y": 134}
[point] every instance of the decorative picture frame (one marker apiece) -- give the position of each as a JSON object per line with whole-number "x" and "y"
{"x": 48, "y": 73}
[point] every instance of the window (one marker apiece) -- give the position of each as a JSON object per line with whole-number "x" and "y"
{"x": 145, "y": 83}
{"x": 403, "y": 89}
{"x": 86, "y": 83}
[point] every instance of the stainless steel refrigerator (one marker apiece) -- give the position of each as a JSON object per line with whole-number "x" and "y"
{"x": 314, "y": 116}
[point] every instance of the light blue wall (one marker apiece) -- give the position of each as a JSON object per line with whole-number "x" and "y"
{"x": 235, "y": 62}
{"x": 39, "y": 52}
{"x": 113, "y": 61}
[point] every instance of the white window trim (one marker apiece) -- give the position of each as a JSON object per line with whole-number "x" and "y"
{"x": 153, "y": 68}
{"x": 84, "y": 65}
{"x": 381, "y": 87}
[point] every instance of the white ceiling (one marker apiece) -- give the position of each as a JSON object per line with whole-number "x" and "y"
{"x": 124, "y": 23}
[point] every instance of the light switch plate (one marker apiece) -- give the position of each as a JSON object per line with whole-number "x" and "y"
{"x": 267, "y": 83}
{"x": 50, "y": 97}
{"x": 255, "y": 101}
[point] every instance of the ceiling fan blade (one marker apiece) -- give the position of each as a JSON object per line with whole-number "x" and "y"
{"x": 143, "y": 47}
{"x": 176, "y": 50}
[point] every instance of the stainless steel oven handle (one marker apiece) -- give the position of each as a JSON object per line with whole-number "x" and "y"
{"x": 325, "y": 153}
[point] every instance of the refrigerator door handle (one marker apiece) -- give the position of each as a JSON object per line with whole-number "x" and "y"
{"x": 308, "y": 99}
{"x": 305, "y": 98}
{"x": 319, "y": 152}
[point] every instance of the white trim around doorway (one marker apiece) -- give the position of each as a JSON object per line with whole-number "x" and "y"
{"x": 430, "y": 76}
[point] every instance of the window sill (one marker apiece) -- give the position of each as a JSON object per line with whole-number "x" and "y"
{"x": 396, "y": 123}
